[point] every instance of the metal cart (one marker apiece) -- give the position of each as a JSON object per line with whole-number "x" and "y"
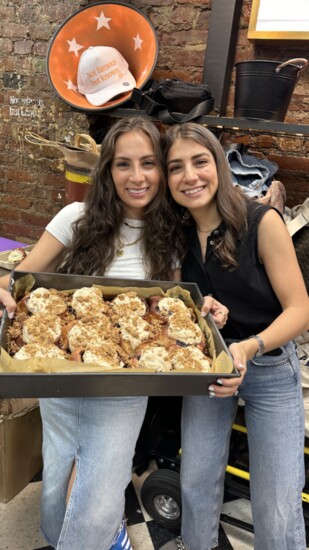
{"x": 160, "y": 441}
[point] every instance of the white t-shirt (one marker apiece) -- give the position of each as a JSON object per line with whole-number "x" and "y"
{"x": 128, "y": 265}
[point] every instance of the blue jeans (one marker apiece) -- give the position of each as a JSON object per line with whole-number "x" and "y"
{"x": 99, "y": 436}
{"x": 275, "y": 422}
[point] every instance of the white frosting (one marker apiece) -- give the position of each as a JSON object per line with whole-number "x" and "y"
{"x": 93, "y": 331}
{"x": 189, "y": 358}
{"x": 103, "y": 356}
{"x": 128, "y": 304}
{"x": 182, "y": 328}
{"x": 37, "y": 350}
{"x": 45, "y": 301}
{"x": 135, "y": 330}
{"x": 88, "y": 300}
{"x": 155, "y": 358}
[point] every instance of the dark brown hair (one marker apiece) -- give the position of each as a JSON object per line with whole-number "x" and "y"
{"x": 231, "y": 202}
{"x": 95, "y": 233}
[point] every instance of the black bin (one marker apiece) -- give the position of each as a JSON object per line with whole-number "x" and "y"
{"x": 263, "y": 89}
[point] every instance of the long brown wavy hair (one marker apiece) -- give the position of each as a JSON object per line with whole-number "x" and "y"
{"x": 95, "y": 233}
{"x": 231, "y": 201}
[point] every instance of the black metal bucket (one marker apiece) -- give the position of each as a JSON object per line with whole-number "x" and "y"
{"x": 263, "y": 89}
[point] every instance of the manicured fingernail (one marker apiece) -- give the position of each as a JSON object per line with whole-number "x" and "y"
{"x": 211, "y": 394}
{"x": 240, "y": 366}
{"x": 219, "y": 382}
{"x": 211, "y": 389}
{"x": 203, "y": 314}
{"x": 11, "y": 315}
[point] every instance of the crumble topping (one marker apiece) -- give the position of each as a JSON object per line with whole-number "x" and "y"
{"x": 124, "y": 331}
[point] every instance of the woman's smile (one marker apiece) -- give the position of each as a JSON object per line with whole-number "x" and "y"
{"x": 137, "y": 191}
{"x": 195, "y": 191}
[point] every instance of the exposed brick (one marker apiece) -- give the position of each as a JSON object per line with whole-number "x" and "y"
{"x": 13, "y": 30}
{"x": 203, "y": 19}
{"x": 23, "y": 47}
{"x": 33, "y": 218}
{"x": 6, "y": 46}
{"x": 32, "y": 181}
{"x": 142, "y": 4}
{"x": 19, "y": 203}
{"x": 21, "y": 175}
{"x": 7, "y": 13}
{"x": 9, "y": 215}
{"x": 182, "y": 38}
{"x": 291, "y": 163}
{"x": 19, "y": 230}
{"x": 201, "y": 2}
{"x": 183, "y": 15}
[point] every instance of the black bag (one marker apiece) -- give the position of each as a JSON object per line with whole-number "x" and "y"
{"x": 174, "y": 100}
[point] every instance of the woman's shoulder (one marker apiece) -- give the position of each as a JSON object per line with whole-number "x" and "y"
{"x": 67, "y": 215}
{"x": 78, "y": 207}
{"x": 71, "y": 211}
{"x": 254, "y": 207}
{"x": 256, "y": 210}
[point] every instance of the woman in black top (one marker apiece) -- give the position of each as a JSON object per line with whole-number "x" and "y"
{"x": 240, "y": 252}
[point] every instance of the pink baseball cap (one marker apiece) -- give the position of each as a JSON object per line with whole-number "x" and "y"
{"x": 103, "y": 73}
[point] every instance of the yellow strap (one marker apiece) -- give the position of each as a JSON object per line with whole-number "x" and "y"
{"x": 245, "y": 475}
{"x": 237, "y": 472}
{"x": 240, "y": 428}
{"x": 77, "y": 178}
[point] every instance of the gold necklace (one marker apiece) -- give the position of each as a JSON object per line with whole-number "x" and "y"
{"x": 133, "y": 226}
{"x": 206, "y": 230}
{"x": 121, "y": 245}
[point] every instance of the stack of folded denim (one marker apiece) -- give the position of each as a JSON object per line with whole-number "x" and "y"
{"x": 252, "y": 174}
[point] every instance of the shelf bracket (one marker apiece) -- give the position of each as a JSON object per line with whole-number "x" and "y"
{"x": 220, "y": 50}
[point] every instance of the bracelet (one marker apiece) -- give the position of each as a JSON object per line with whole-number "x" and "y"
{"x": 261, "y": 349}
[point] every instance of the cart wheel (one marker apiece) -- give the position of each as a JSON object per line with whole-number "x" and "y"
{"x": 161, "y": 497}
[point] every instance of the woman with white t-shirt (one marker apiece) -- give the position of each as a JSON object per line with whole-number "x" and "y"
{"x": 124, "y": 229}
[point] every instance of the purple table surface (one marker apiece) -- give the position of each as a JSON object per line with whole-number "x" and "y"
{"x": 8, "y": 244}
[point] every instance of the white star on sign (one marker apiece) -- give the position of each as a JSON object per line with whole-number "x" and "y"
{"x": 103, "y": 21}
{"x": 70, "y": 85}
{"x": 138, "y": 42}
{"x": 74, "y": 46}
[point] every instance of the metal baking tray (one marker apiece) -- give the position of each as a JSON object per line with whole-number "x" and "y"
{"x": 88, "y": 384}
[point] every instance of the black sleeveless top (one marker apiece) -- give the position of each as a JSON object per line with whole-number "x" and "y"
{"x": 245, "y": 290}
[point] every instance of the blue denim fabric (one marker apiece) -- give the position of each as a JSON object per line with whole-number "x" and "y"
{"x": 253, "y": 175}
{"x": 275, "y": 422}
{"x": 99, "y": 435}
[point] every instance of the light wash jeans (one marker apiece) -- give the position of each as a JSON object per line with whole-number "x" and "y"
{"x": 275, "y": 422}
{"x": 99, "y": 435}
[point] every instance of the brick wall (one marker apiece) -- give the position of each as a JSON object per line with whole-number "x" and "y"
{"x": 32, "y": 182}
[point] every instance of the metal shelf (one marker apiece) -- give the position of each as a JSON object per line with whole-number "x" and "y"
{"x": 228, "y": 123}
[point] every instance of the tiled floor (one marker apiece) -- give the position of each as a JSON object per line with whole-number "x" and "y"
{"x": 19, "y": 518}
{"x": 19, "y": 522}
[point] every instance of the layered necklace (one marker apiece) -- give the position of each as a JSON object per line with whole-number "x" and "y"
{"x": 122, "y": 243}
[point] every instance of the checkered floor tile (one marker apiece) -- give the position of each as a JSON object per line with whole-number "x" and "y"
{"x": 19, "y": 522}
